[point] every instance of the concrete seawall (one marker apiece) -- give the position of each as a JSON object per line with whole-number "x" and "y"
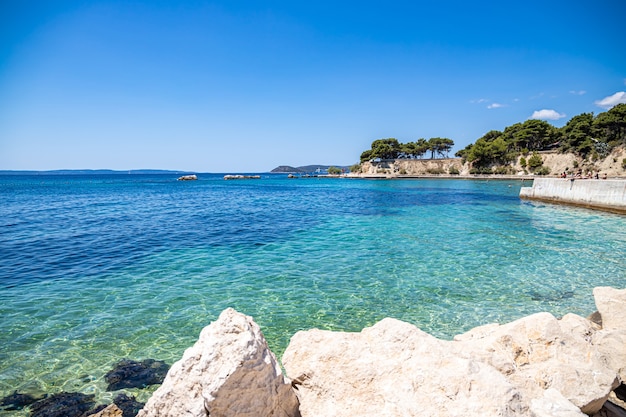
{"x": 607, "y": 195}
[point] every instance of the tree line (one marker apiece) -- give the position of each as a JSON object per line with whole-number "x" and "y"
{"x": 391, "y": 148}
{"x": 588, "y": 136}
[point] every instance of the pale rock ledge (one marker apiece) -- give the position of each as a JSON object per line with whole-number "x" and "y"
{"x": 229, "y": 371}
{"x": 537, "y": 366}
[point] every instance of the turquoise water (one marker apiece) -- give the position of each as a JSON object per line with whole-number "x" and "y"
{"x": 94, "y": 269}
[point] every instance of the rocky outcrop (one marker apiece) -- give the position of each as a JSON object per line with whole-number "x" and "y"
{"x": 393, "y": 369}
{"x": 416, "y": 167}
{"x": 229, "y": 371}
{"x": 536, "y": 366}
{"x": 611, "y": 304}
{"x": 540, "y": 352}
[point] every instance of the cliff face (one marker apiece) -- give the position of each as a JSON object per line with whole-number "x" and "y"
{"x": 415, "y": 167}
{"x": 555, "y": 162}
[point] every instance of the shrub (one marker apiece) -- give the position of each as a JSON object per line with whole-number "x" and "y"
{"x": 543, "y": 171}
{"x": 535, "y": 161}
{"x": 624, "y": 163}
{"x": 455, "y": 171}
{"x": 334, "y": 171}
{"x": 356, "y": 168}
{"x": 436, "y": 171}
{"x": 402, "y": 171}
{"x": 503, "y": 170}
{"x": 522, "y": 162}
{"x": 481, "y": 170}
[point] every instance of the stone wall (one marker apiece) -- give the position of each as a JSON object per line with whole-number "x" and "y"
{"x": 602, "y": 194}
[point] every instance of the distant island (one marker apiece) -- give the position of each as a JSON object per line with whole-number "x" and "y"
{"x": 307, "y": 169}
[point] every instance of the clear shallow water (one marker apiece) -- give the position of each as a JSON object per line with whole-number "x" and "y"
{"x": 94, "y": 269}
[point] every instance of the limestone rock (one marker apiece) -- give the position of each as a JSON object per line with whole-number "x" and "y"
{"x": 611, "y": 304}
{"x": 553, "y": 404}
{"x": 229, "y": 371}
{"x": 393, "y": 369}
{"x": 111, "y": 411}
{"x": 611, "y": 346}
{"x": 539, "y": 352}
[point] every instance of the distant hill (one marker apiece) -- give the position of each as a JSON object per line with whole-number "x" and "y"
{"x": 304, "y": 169}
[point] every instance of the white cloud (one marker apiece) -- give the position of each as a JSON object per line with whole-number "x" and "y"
{"x": 578, "y": 93}
{"x": 495, "y": 106}
{"x": 612, "y": 101}
{"x": 547, "y": 114}
{"x": 480, "y": 100}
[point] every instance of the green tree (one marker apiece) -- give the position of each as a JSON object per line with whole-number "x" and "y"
{"x": 366, "y": 156}
{"x": 440, "y": 146}
{"x": 490, "y": 149}
{"x": 416, "y": 149}
{"x": 533, "y": 134}
{"x": 535, "y": 161}
{"x": 610, "y": 126}
{"x": 334, "y": 170}
{"x": 384, "y": 149}
{"x": 577, "y": 135}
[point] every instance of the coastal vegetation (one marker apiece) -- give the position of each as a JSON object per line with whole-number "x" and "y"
{"x": 333, "y": 170}
{"x": 585, "y": 135}
{"x": 519, "y": 147}
{"x": 391, "y": 148}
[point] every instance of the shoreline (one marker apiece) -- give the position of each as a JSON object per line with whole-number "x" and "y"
{"x": 439, "y": 176}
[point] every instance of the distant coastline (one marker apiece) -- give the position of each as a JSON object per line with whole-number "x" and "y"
{"x": 92, "y": 172}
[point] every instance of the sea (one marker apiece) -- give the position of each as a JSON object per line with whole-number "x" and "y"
{"x": 99, "y": 268}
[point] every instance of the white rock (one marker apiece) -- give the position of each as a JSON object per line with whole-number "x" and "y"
{"x": 611, "y": 304}
{"x": 539, "y": 352}
{"x": 393, "y": 369}
{"x": 611, "y": 346}
{"x": 229, "y": 371}
{"x": 553, "y": 404}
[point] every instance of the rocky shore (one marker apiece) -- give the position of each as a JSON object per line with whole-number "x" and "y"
{"x": 539, "y": 366}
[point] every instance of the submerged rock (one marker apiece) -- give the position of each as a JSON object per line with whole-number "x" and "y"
{"x": 109, "y": 411}
{"x": 133, "y": 374}
{"x": 17, "y": 401}
{"x": 122, "y": 406}
{"x": 129, "y": 405}
{"x": 229, "y": 371}
{"x": 64, "y": 404}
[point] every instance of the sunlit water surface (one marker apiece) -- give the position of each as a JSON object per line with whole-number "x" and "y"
{"x": 94, "y": 269}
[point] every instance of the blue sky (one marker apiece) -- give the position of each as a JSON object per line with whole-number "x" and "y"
{"x": 244, "y": 86}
